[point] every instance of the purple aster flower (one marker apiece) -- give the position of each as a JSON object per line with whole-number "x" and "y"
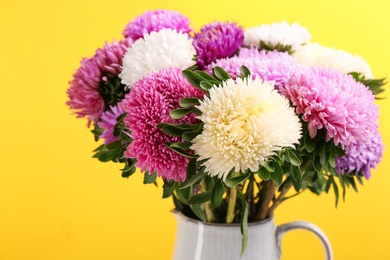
{"x": 154, "y": 21}
{"x": 361, "y": 157}
{"x": 217, "y": 40}
{"x": 149, "y": 103}
{"x": 329, "y": 99}
{"x": 108, "y": 121}
{"x": 276, "y": 67}
{"x": 88, "y": 95}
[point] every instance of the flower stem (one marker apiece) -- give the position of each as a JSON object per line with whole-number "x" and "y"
{"x": 207, "y": 205}
{"x": 270, "y": 193}
{"x": 283, "y": 193}
{"x": 279, "y": 199}
{"x": 231, "y": 205}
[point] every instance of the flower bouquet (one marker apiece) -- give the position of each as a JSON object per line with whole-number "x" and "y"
{"x": 234, "y": 121}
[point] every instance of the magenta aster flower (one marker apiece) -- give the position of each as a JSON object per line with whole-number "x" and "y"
{"x": 329, "y": 99}
{"x": 108, "y": 121}
{"x": 361, "y": 157}
{"x": 217, "y": 40}
{"x": 149, "y": 103}
{"x": 275, "y": 67}
{"x": 154, "y": 21}
{"x": 95, "y": 85}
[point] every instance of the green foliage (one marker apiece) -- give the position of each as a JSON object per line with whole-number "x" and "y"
{"x": 375, "y": 85}
{"x": 234, "y": 181}
{"x": 308, "y": 166}
{"x": 279, "y": 47}
{"x": 217, "y": 193}
{"x": 150, "y": 178}
{"x": 112, "y": 90}
{"x": 115, "y": 151}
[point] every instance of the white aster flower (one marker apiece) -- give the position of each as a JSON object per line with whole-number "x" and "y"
{"x": 314, "y": 54}
{"x": 157, "y": 50}
{"x": 283, "y": 33}
{"x": 245, "y": 122}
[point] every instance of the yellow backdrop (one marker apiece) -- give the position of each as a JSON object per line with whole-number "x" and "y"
{"x": 56, "y": 202}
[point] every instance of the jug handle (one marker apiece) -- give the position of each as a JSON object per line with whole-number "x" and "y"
{"x": 282, "y": 229}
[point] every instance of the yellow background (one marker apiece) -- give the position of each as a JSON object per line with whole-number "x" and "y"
{"x": 56, "y": 202}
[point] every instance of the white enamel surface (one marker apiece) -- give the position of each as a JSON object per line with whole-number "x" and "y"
{"x": 198, "y": 241}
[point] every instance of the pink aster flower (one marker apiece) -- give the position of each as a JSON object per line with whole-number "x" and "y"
{"x": 217, "y": 40}
{"x": 154, "y": 21}
{"x": 108, "y": 121}
{"x": 361, "y": 157}
{"x": 149, "y": 103}
{"x": 87, "y": 94}
{"x": 275, "y": 67}
{"x": 329, "y": 99}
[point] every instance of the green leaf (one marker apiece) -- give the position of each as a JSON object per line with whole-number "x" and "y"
{"x": 181, "y": 145}
{"x": 342, "y": 184}
{"x": 205, "y": 85}
{"x": 323, "y": 159}
{"x": 128, "y": 172}
{"x": 233, "y": 181}
{"x": 180, "y": 151}
{"x": 189, "y": 102}
{"x": 296, "y": 173}
{"x": 293, "y": 158}
{"x": 173, "y": 130}
{"x": 336, "y": 191}
{"x": 150, "y": 178}
{"x": 269, "y": 165}
{"x": 317, "y": 164}
{"x": 192, "y": 180}
{"x": 189, "y": 136}
{"x": 351, "y": 181}
{"x": 328, "y": 183}
{"x": 217, "y": 193}
{"x": 320, "y": 149}
{"x": 192, "y": 167}
{"x": 168, "y": 188}
{"x": 207, "y": 77}
{"x": 277, "y": 175}
{"x": 220, "y": 74}
{"x": 296, "y": 177}
{"x": 183, "y": 194}
{"x": 245, "y": 72}
{"x": 244, "y": 221}
{"x": 200, "y": 198}
{"x": 180, "y": 113}
{"x": 264, "y": 174}
{"x": 97, "y": 132}
{"x": 107, "y": 155}
{"x": 310, "y": 143}
{"x": 178, "y": 205}
{"x": 332, "y": 157}
{"x": 100, "y": 148}
{"x": 198, "y": 211}
{"x": 193, "y": 78}
{"x": 114, "y": 145}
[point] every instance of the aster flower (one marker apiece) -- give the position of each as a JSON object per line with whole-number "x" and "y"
{"x": 290, "y": 37}
{"x": 159, "y": 50}
{"x": 240, "y": 119}
{"x": 313, "y": 54}
{"x": 217, "y": 40}
{"x": 148, "y": 104}
{"x": 154, "y": 21}
{"x": 108, "y": 120}
{"x": 361, "y": 157}
{"x": 273, "y": 66}
{"x": 95, "y": 84}
{"x": 329, "y": 99}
